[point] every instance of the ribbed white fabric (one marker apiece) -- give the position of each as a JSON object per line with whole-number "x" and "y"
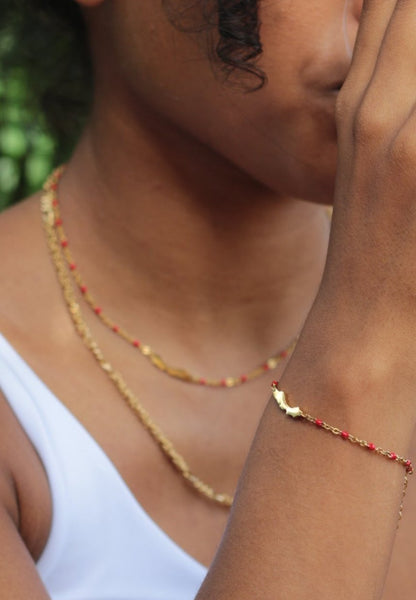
{"x": 102, "y": 544}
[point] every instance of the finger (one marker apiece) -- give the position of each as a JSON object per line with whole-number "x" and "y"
{"x": 375, "y": 17}
{"x": 392, "y": 91}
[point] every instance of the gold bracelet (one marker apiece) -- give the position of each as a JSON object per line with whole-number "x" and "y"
{"x": 296, "y": 412}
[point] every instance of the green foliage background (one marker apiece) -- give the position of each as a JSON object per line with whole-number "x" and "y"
{"x": 27, "y": 149}
{"x": 45, "y": 88}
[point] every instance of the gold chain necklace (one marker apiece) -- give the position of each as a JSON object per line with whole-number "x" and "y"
{"x": 82, "y": 329}
{"x": 156, "y": 360}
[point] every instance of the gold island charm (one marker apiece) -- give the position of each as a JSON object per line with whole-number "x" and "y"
{"x": 280, "y": 398}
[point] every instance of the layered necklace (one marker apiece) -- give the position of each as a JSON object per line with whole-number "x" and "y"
{"x": 69, "y": 278}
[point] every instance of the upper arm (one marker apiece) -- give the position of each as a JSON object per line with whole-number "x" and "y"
{"x": 19, "y": 579}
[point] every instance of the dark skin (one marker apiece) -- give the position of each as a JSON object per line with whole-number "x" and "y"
{"x": 239, "y": 259}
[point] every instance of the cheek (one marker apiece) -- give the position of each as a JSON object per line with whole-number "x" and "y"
{"x": 159, "y": 62}
{"x": 274, "y": 135}
{"x": 290, "y": 149}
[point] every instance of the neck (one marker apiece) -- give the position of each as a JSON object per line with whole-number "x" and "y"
{"x": 188, "y": 239}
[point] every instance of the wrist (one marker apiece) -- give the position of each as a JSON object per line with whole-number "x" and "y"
{"x": 353, "y": 386}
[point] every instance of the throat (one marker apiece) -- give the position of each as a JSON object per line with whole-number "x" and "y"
{"x": 194, "y": 277}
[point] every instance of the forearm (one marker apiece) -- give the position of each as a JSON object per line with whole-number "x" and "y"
{"x": 315, "y": 516}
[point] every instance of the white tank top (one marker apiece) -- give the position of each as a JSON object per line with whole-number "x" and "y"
{"x": 102, "y": 544}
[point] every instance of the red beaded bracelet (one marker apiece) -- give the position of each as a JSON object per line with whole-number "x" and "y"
{"x": 297, "y": 412}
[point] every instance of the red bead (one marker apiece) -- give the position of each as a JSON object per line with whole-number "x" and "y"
{"x": 345, "y": 434}
{"x": 393, "y": 456}
{"x": 203, "y": 381}
{"x": 83, "y": 289}
{"x": 64, "y": 243}
{"x": 284, "y": 354}
{"x": 223, "y": 383}
{"x": 275, "y": 383}
{"x": 58, "y": 221}
{"x": 98, "y": 310}
{"x": 54, "y": 202}
{"x": 116, "y": 328}
{"x": 54, "y": 186}
{"x": 408, "y": 463}
{"x": 266, "y": 367}
{"x": 72, "y": 266}
{"x": 136, "y": 343}
{"x": 243, "y": 378}
{"x": 371, "y": 447}
{"x": 319, "y": 422}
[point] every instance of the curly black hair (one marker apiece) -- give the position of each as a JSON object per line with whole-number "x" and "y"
{"x": 50, "y": 43}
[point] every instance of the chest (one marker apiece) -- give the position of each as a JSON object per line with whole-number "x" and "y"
{"x": 191, "y": 522}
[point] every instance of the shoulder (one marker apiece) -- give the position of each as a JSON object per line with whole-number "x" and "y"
{"x": 27, "y": 297}
{"x": 30, "y": 301}
{"x": 20, "y": 251}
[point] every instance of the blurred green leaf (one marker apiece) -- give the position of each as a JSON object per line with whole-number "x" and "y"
{"x": 13, "y": 141}
{"x": 9, "y": 175}
{"x": 43, "y": 143}
{"x": 15, "y": 88}
{"x": 28, "y": 149}
{"x": 37, "y": 168}
{"x": 15, "y": 113}
{"x": 6, "y": 41}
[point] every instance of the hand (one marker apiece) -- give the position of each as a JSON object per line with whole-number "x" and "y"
{"x": 367, "y": 299}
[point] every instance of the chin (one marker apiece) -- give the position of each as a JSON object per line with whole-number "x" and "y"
{"x": 321, "y": 188}
{"x": 311, "y": 183}
{"x": 318, "y": 182}
{"x": 316, "y": 193}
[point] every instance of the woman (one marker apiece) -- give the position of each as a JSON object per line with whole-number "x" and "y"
{"x": 194, "y": 212}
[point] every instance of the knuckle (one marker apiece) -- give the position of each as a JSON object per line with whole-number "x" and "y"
{"x": 402, "y": 151}
{"x": 370, "y": 124}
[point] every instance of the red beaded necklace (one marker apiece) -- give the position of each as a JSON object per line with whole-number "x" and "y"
{"x": 146, "y": 350}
